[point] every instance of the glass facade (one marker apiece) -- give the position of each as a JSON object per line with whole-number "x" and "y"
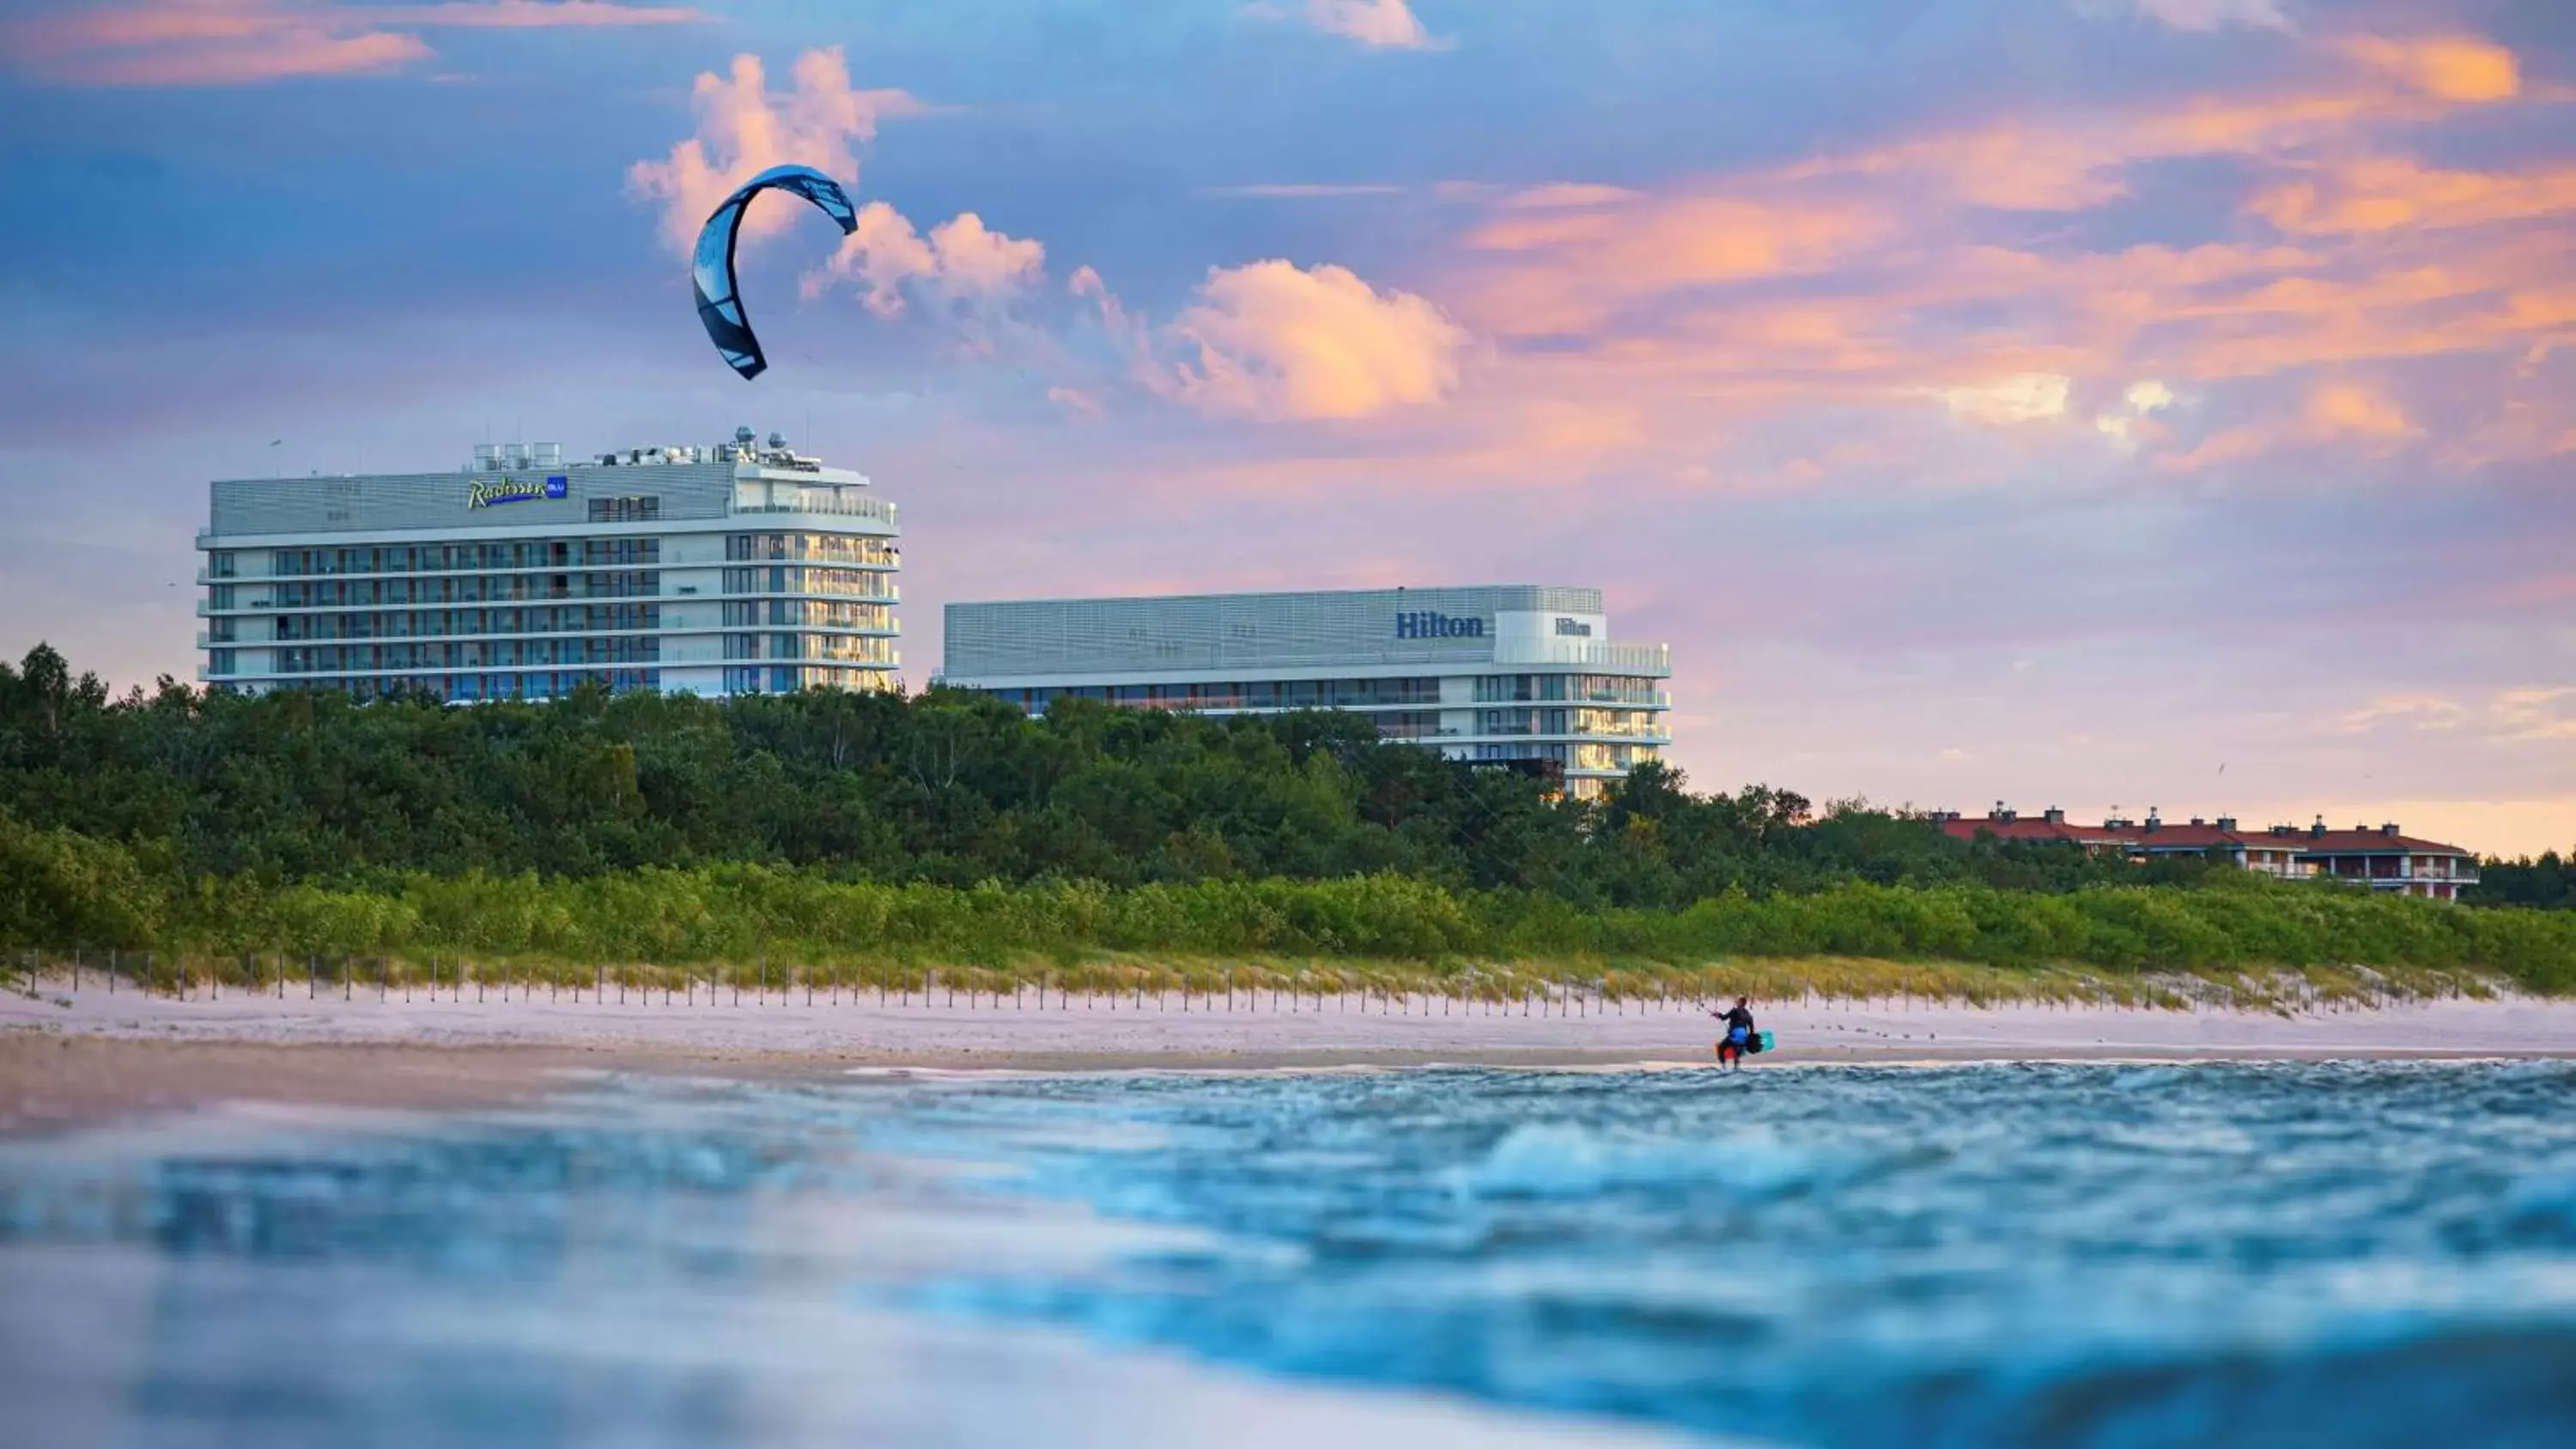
{"x": 654, "y": 587}
{"x": 1517, "y": 676}
{"x": 1585, "y": 746}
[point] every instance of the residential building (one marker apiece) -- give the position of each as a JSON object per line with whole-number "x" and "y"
{"x": 2385, "y": 859}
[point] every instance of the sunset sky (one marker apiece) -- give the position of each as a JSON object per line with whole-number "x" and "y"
{"x": 2078, "y": 402}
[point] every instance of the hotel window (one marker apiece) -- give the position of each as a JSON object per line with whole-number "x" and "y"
{"x": 638, "y": 508}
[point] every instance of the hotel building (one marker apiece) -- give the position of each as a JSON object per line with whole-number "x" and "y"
{"x": 738, "y": 568}
{"x": 1520, "y": 675}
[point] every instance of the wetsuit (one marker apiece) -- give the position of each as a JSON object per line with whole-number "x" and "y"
{"x": 1731, "y": 1047}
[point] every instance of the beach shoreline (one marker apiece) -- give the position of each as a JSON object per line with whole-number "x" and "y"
{"x": 68, "y": 1059}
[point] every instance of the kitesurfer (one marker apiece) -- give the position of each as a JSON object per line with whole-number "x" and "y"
{"x": 1738, "y": 1039}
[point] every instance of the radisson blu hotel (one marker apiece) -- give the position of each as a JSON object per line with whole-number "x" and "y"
{"x": 736, "y": 568}
{"x": 1518, "y": 675}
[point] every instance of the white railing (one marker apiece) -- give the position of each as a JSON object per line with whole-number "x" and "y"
{"x": 1590, "y": 653}
{"x": 872, "y": 508}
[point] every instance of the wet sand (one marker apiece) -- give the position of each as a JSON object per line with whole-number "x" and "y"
{"x": 71, "y": 1058}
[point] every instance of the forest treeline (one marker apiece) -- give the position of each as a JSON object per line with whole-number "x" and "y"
{"x": 642, "y": 824}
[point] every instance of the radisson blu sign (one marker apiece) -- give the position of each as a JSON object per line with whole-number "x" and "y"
{"x": 491, "y": 492}
{"x": 1431, "y": 624}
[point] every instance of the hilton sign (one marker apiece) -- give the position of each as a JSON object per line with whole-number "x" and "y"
{"x": 1429, "y": 624}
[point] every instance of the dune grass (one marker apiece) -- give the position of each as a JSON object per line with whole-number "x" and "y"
{"x": 1109, "y": 980}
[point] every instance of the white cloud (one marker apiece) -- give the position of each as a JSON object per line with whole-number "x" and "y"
{"x": 2547, "y": 713}
{"x": 822, "y": 121}
{"x": 2028, "y": 397}
{"x": 1275, "y": 340}
{"x": 1378, "y": 24}
{"x": 2204, "y": 15}
{"x": 2513, "y": 716}
{"x": 743, "y": 131}
{"x": 2147, "y": 395}
{"x": 2416, "y": 711}
{"x": 2144, "y": 399}
{"x": 961, "y": 260}
{"x": 1077, "y": 404}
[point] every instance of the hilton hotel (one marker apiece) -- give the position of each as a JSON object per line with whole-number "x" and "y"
{"x": 736, "y": 568}
{"x": 1518, "y": 675}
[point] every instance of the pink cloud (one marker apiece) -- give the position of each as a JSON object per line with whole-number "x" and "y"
{"x": 1378, "y": 24}
{"x": 742, "y": 131}
{"x": 2464, "y": 68}
{"x": 1840, "y": 282}
{"x": 2389, "y": 193}
{"x": 744, "y": 128}
{"x": 241, "y": 42}
{"x": 961, "y": 260}
{"x": 2339, "y": 411}
{"x": 1274, "y": 340}
{"x": 529, "y": 14}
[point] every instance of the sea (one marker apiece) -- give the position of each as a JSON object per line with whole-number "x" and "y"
{"x": 2000, "y": 1255}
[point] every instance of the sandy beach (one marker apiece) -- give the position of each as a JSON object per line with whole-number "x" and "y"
{"x": 68, "y": 1057}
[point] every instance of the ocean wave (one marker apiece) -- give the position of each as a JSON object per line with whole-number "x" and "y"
{"x": 1568, "y": 1160}
{"x": 2011, "y": 1256}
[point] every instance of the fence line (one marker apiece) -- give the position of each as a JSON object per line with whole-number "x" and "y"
{"x": 1488, "y": 988}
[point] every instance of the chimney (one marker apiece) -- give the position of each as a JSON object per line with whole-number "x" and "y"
{"x": 2152, "y": 822}
{"x": 2196, "y": 820}
{"x": 2053, "y": 815}
{"x": 2389, "y": 829}
{"x": 2227, "y": 822}
{"x": 2318, "y": 830}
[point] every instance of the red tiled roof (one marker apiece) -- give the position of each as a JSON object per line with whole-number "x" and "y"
{"x": 2186, "y": 836}
{"x": 2359, "y": 842}
{"x": 2171, "y": 835}
{"x": 2036, "y": 828}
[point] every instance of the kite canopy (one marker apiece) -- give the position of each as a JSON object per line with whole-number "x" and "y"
{"x": 711, "y": 260}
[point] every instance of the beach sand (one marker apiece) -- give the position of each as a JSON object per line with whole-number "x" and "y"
{"x": 68, "y": 1057}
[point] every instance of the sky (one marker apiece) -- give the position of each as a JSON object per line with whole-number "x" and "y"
{"x": 2107, "y": 404}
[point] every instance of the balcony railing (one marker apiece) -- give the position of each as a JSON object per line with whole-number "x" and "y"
{"x": 877, "y": 509}
{"x": 1656, "y": 659}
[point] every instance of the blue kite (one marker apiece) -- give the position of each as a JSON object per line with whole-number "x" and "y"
{"x": 711, "y": 260}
